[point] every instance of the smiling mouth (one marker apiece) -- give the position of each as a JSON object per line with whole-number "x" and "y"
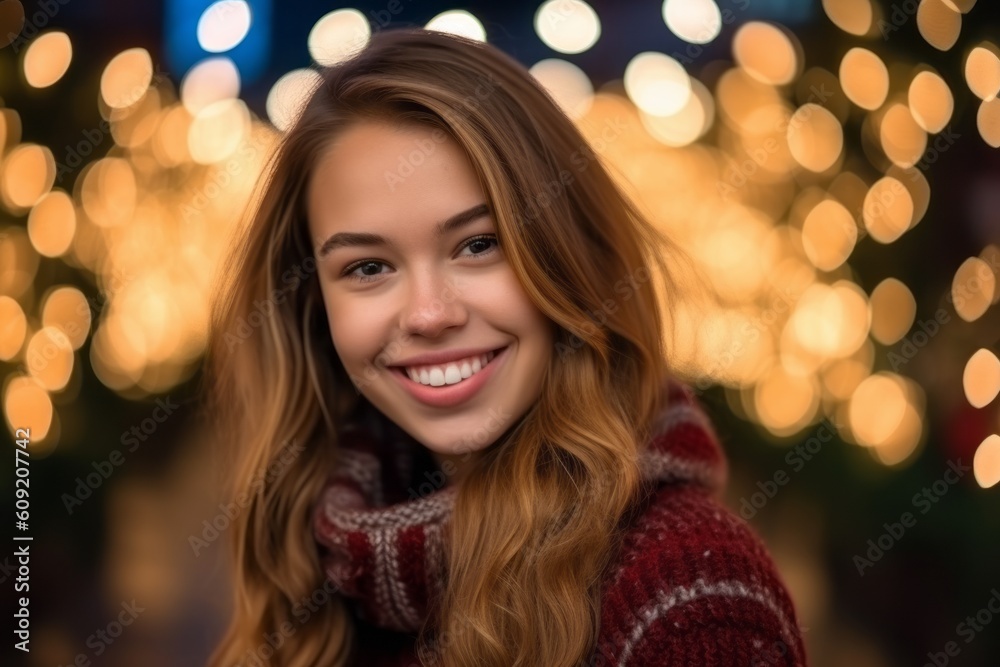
{"x": 439, "y": 376}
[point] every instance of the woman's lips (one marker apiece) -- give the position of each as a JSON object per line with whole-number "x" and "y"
{"x": 449, "y": 395}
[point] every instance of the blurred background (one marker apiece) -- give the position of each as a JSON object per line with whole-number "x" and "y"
{"x": 832, "y": 167}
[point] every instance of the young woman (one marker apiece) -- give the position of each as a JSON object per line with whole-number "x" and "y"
{"x": 457, "y": 439}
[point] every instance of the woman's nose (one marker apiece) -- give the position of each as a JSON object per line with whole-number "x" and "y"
{"x": 434, "y": 302}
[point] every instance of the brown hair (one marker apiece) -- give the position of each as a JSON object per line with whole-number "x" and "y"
{"x": 522, "y": 589}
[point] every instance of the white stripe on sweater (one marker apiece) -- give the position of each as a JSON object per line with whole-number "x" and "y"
{"x": 682, "y": 594}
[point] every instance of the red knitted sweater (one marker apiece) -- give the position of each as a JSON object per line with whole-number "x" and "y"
{"x": 691, "y": 585}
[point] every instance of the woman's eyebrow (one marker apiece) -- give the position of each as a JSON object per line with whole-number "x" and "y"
{"x": 346, "y": 239}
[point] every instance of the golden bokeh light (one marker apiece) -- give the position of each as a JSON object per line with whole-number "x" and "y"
{"x": 694, "y": 21}
{"x": 991, "y": 255}
{"x": 13, "y": 327}
{"x": 27, "y": 405}
{"x": 988, "y": 122}
{"x": 842, "y": 376}
{"x": 49, "y": 358}
{"x": 815, "y": 137}
{"x": 657, "y": 84}
{"x": 960, "y": 5}
{"x": 902, "y": 139}
{"x": 986, "y": 462}
{"x": 851, "y": 16}
{"x": 568, "y": 85}
{"x": 10, "y": 129}
{"x": 902, "y": 443}
{"x": 27, "y": 173}
{"x": 938, "y": 23}
{"x": 458, "y": 22}
{"x": 52, "y": 224}
{"x": 785, "y": 403}
{"x": 126, "y": 78}
{"x": 930, "y": 101}
{"x": 288, "y": 96}
{"x": 767, "y": 52}
{"x": 888, "y": 210}
{"x": 338, "y": 35}
{"x": 893, "y": 311}
{"x": 876, "y": 409}
{"x": 170, "y": 140}
{"x": 981, "y": 378}
{"x": 218, "y": 130}
{"x": 137, "y": 124}
{"x": 982, "y": 71}
{"x": 829, "y": 234}
{"x": 67, "y": 309}
{"x": 18, "y": 261}
{"x": 831, "y": 320}
{"x": 972, "y": 289}
{"x": 865, "y": 78}
{"x": 211, "y": 80}
{"x": 687, "y": 125}
{"x": 567, "y": 26}
{"x": 47, "y": 59}
{"x": 109, "y": 191}
{"x": 916, "y": 184}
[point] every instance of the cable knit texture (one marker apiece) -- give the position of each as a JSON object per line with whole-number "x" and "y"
{"x": 692, "y": 584}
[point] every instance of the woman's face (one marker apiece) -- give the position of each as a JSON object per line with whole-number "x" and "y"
{"x": 417, "y": 289}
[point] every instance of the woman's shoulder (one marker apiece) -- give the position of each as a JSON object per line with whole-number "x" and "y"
{"x": 693, "y": 583}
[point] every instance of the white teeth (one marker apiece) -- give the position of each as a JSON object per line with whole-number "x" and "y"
{"x": 450, "y": 373}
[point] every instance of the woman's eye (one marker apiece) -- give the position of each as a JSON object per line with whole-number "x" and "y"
{"x": 357, "y": 271}
{"x": 483, "y": 244}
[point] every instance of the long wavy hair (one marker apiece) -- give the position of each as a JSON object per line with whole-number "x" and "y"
{"x": 523, "y": 588}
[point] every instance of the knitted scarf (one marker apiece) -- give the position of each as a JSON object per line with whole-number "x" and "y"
{"x": 380, "y": 517}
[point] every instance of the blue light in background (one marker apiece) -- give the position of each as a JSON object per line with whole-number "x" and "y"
{"x": 183, "y": 51}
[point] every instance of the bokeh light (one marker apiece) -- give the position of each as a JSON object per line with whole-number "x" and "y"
{"x": 338, "y": 35}
{"x": 657, "y": 83}
{"x": 568, "y": 85}
{"x": 694, "y": 21}
{"x": 864, "y": 77}
{"x": 223, "y": 25}
{"x": 211, "y": 80}
{"x": 931, "y": 101}
{"x": 567, "y": 26}
{"x": 47, "y": 59}
{"x": 851, "y": 16}
{"x": 767, "y": 52}
{"x": 288, "y": 96}
{"x": 458, "y": 22}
